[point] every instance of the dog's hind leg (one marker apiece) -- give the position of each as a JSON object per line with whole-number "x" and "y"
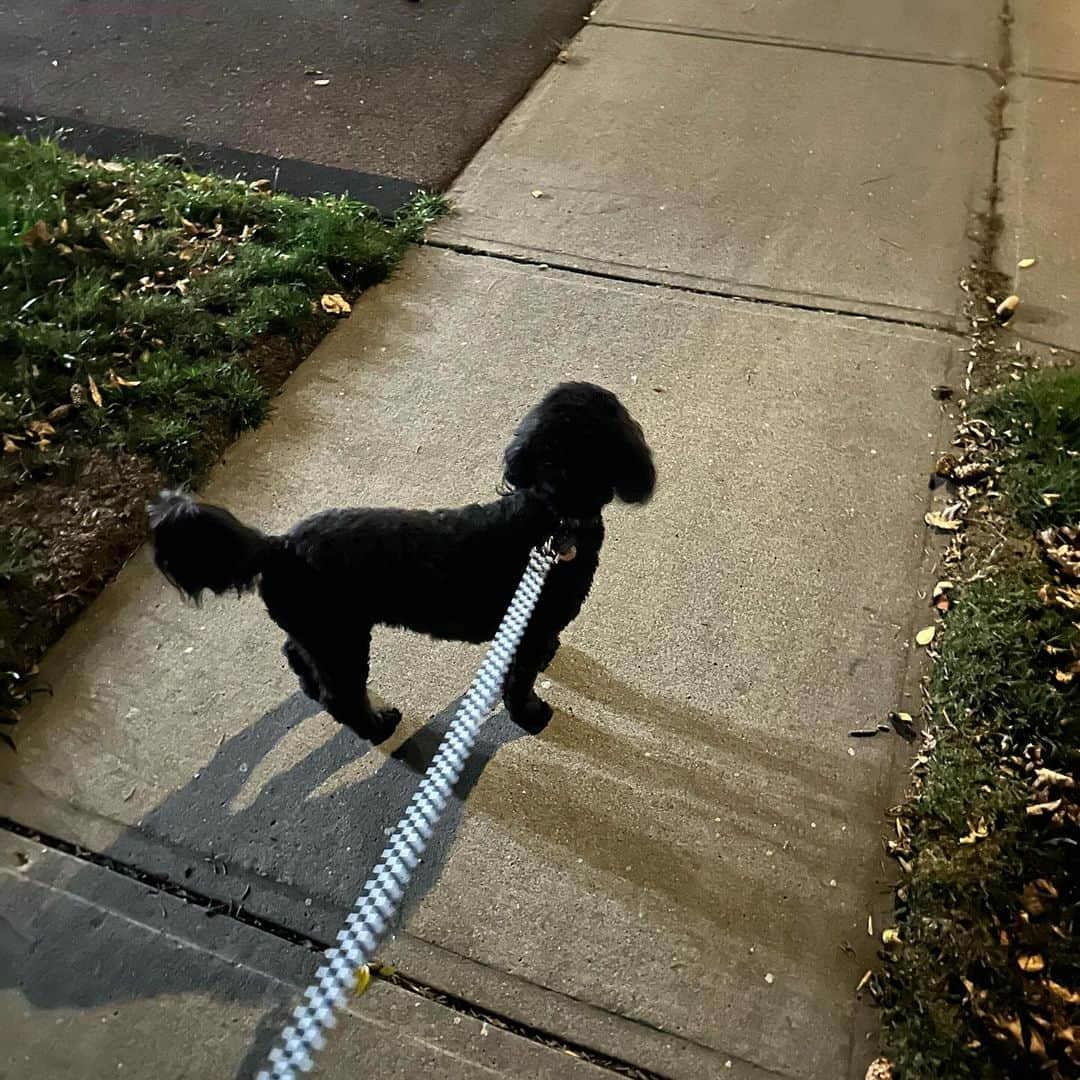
{"x": 340, "y": 670}
{"x": 301, "y": 664}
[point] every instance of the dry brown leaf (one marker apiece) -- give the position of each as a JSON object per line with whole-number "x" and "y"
{"x": 320, "y": 82}
{"x": 1044, "y": 777}
{"x": 10, "y": 445}
{"x": 1006, "y": 309}
{"x": 1009, "y": 1027}
{"x": 116, "y": 381}
{"x": 60, "y": 412}
{"x": 1024, "y": 264}
{"x": 925, "y": 635}
{"x": 978, "y": 832}
{"x": 941, "y": 587}
{"x": 40, "y": 427}
{"x": 95, "y": 393}
{"x": 335, "y": 304}
{"x": 879, "y": 1069}
{"x": 1035, "y": 1044}
{"x": 1050, "y": 497}
{"x": 861, "y": 985}
{"x": 1031, "y": 963}
{"x": 940, "y": 521}
{"x": 1043, "y": 808}
{"x": 1063, "y": 993}
{"x": 1036, "y": 897}
{"x": 37, "y": 235}
{"x": 537, "y": 193}
{"x": 112, "y": 166}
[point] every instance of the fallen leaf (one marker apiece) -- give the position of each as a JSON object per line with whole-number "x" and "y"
{"x": 112, "y": 166}
{"x": 118, "y": 380}
{"x": 320, "y": 82}
{"x": 95, "y": 393}
{"x": 1031, "y": 963}
{"x": 10, "y": 445}
{"x": 361, "y": 980}
{"x": 890, "y": 937}
{"x": 925, "y": 635}
{"x": 903, "y": 725}
{"x": 940, "y": 521}
{"x": 40, "y": 427}
{"x": 942, "y": 586}
{"x": 335, "y": 304}
{"x": 1035, "y": 1044}
{"x": 38, "y": 234}
{"x": 1023, "y": 264}
{"x": 879, "y": 1069}
{"x": 1064, "y": 675}
{"x": 1044, "y": 777}
{"x": 537, "y": 193}
{"x": 1010, "y": 1027}
{"x": 1006, "y": 309}
{"x": 1037, "y": 809}
{"x": 1050, "y": 497}
{"x": 861, "y": 985}
{"x": 1069, "y": 997}
{"x": 978, "y": 832}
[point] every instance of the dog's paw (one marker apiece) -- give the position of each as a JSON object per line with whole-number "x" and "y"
{"x": 533, "y": 716}
{"x": 386, "y": 722}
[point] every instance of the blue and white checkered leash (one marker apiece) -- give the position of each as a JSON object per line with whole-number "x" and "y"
{"x": 381, "y": 896}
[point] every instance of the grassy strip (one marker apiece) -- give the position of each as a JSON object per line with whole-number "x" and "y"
{"x": 985, "y": 978}
{"x": 147, "y": 315}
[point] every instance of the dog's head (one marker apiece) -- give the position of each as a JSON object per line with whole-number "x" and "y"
{"x": 580, "y": 448}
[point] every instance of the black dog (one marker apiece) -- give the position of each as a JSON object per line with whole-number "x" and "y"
{"x": 447, "y": 573}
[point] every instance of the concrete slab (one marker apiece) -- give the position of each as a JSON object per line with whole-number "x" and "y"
{"x": 1046, "y": 38}
{"x": 961, "y": 31}
{"x": 837, "y": 182}
{"x": 1040, "y": 196}
{"x": 693, "y": 843}
{"x": 103, "y": 977}
{"x": 412, "y": 90}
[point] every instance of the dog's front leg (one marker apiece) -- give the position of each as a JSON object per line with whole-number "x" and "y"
{"x": 526, "y": 709}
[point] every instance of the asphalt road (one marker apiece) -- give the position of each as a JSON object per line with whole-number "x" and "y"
{"x": 388, "y": 87}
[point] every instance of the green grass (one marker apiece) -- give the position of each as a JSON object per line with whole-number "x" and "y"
{"x": 957, "y": 1002}
{"x": 147, "y": 311}
{"x": 150, "y": 284}
{"x": 1042, "y": 415}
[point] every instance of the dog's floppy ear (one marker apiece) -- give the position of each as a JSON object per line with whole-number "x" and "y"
{"x": 519, "y": 458}
{"x": 635, "y": 473}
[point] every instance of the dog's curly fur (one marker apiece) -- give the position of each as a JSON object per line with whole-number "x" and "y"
{"x": 448, "y": 573}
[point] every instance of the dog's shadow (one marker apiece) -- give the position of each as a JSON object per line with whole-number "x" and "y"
{"x": 297, "y": 839}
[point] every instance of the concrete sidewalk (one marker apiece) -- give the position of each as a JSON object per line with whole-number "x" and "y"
{"x": 752, "y": 231}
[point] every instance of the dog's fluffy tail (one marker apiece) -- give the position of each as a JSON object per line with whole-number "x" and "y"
{"x": 198, "y": 546}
